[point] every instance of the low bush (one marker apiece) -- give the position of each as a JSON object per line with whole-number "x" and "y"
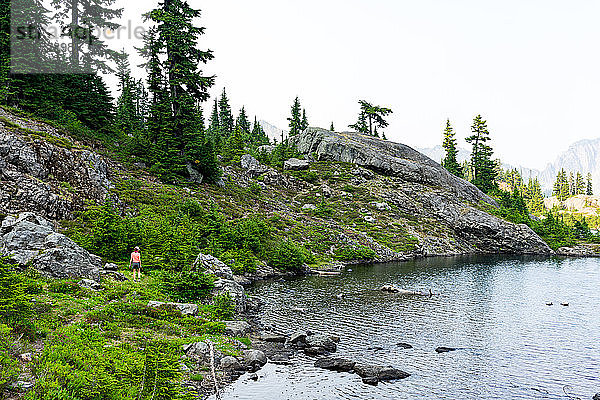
{"x": 223, "y": 307}
{"x": 69, "y": 287}
{"x": 9, "y": 370}
{"x": 15, "y": 302}
{"x": 187, "y": 285}
{"x": 287, "y": 256}
{"x": 350, "y": 253}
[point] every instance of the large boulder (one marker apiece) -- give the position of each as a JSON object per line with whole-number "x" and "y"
{"x": 237, "y": 328}
{"x": 252, "y": 166}
{"x": 29, "y": 239}
{"x": 422, "y": 188}
{"x": 335, "y": 364}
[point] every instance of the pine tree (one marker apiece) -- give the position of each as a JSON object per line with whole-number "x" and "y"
{"x": 361, "y": 125}
{"x": 258, "y": 137}
{"x": 579, "y": 184}
{"x": 234, "y": 149}
{"x": 244, "y": 124}
{"x": 178, "y": 86}
{"x": 304, "y": 123}
{"x": 331, "y": 128}
{"x": 375, "y": 115}
{"x": 226, "y": 121}
{"x": 128, "y": 118}
{"x": 450, "y": 161}
{"x": 589, "y": 190}
{"x": 572, "y": 190}
{"x": 214, "y": 128}
{"x": 482, "y": 164}
{"x": 82, "y": 18}
{"x": 295, "y": 120}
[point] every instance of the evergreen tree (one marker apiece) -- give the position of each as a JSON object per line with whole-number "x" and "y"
{"x": 258, "y": 137}
{"x": 589, "y": 190}
{"x": 572, "y": 190}
{"x": 226, "y": 121}
{"x": 178, "y": 86}
{"x": 331, "y": 128}
{"x": 484, "y": 168}
{"x": 375, "y": 115}
{"x": 535, "y": 199}
{"x": 304, "y": 123}
{"x": 214, "y": 128}
{"x": 296, "y": 120}
{"x": 579, "y": 184}
{"x": 361, "y": 125}
{"x": 450, "y": 161}
{"x": 234, "y": 149}
{"x": 384, "y": 137}
{"x": 81, "y": 20}
{"x": 244, "y": 124}
{"x": 128, "y": 118}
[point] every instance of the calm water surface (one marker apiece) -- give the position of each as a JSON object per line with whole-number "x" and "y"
{"x": 513, "y": 346}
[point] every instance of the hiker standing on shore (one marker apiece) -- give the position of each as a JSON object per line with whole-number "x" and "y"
{"x": 135, "y": 262}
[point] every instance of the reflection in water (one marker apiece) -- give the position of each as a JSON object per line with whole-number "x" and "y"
{"x": 493, "y": 309}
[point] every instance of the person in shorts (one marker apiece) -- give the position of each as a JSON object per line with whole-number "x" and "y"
{"x": 135, "y": 262}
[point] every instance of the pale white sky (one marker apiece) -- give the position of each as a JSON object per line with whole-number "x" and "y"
{"x": 530, "y": 67}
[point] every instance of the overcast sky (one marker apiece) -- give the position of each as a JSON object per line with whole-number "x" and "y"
{"x": 530, "y": 67}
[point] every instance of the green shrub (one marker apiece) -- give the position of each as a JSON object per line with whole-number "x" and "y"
{"x": 350, "y": 253}
{"x": 9, "y": 370}
{"x": 15, "y": 302}
{"x": 187, "y": 285}
{"x": 65, "y": 287}
{"x": 79, "y": 363}
{"x": 223, "y": 307}
{"x": 240, "y": 261}
{"x": 287, "y": 256}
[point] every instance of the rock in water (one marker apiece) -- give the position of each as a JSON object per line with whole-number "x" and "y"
{"x": 30, "y": 239}
{"x": 255, "y": 359}
{"x": 596, "y": 397}
{"x": 404, "y": 345}
{"x": 444, "y": 349}
{"x": 335, "y": 364}
{"x": 237, "y": 328}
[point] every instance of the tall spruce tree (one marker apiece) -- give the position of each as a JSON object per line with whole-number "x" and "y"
{"x": 331, "y": 128}
{"x": 304, "y": 123}
{"x": 572, "y": 189}
{"x": 482, "y": 164}
{"x": 589, "y": 190}
{"x": 183, "y": 86}
{"x": 579, "y": 184}
{"x": 243, "y": 122}
{"x": 258, "y": 137}
{"x": 214, "y": 128}
{"x": 226, "y": 120}
{"x": 295, "y": 120}
{"x": 450, "y": 161}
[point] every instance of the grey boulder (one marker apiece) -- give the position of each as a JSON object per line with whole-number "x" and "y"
{"x": 254, "y": 359}
{"x": 335, "y": 364}
{"x": 237, "y": 328}
{"x": 30, "y": 239}
{"x": 294, "y": 164}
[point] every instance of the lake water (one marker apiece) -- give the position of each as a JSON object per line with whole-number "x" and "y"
{"x": 512, "y": 345}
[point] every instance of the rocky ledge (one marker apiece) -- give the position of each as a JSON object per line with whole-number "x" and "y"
{"x": 423, "y": 190}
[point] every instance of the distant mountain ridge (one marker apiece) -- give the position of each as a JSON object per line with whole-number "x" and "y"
{"x": 582, "y": 156}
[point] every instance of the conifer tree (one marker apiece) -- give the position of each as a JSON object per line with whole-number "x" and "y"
{"x": 258, "y": 137}
{"x": 83, "y": 18}
{"x": 178, "y": 86}
{"x": 234, "y": 149}
{"x": 226, "y": 121}
{"x": 361, "y": 125}
{"x": 572, "y": 190}
{"x": 304, "y": 123}
{"x": 375, "y": 115}
{"x": 482, "y": 164}
{"x": 579, "y": 184}
{"x": 214, "y": 128}
{"x": 244, "y": 124}
{"x": 128, "y": 119}
{"x": 295, "y": 120}
{"x": 331, "y": 128}
{"x": 589, "y": 186}
{"x": 450, "y": 161}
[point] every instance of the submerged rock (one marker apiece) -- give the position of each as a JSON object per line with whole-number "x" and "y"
{"x": 335, "y": 364}
{"x": 255, "y": 359}
{"x": 445, "y": 349}
{"x": 321, "y": 341}
{"x": 404, "y": 345}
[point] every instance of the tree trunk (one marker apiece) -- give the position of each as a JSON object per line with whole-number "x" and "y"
{"x": 74, "y": 33}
